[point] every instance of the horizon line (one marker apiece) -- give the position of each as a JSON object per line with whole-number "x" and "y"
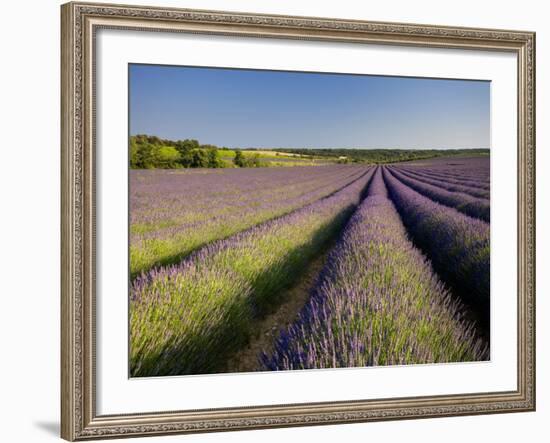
{"x": 310, "y": 147}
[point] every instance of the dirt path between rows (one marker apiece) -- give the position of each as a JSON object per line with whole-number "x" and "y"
{"x": 246, "y": 360}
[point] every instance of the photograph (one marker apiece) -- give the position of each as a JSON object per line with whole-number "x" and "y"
{"x": 290, "y": 220}
{"x": 282, "y": 218}
{"x": 275, "y": 221}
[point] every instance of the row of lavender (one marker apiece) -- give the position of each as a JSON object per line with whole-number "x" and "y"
{"x": 188, "y": 318}
{"x": 457, "y": 245}
{"x": 441, "y": 193}
{"x": 378, "y": 301}
{"x": 481, "y": 183}
{"x": 470, "y": 168}
{"x": 176, "y": 212}
{"x": 470, "y": 189}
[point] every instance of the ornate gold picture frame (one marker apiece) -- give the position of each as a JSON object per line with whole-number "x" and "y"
{"x": 80, "y": 22}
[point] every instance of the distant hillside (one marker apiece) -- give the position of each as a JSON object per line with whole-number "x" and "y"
{"x": 151, "y": 152}
{"x": 378, "y": 156}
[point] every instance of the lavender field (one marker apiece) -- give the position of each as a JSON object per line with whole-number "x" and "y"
{"x": 309, "y": 267}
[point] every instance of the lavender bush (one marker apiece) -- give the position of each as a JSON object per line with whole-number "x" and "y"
{"x": 188, "y": 318}
{"x": 474, "y": 207}
{"x": 475, "y": 183}
{"x": 377, "y": 302}
{"x": 474, "y": 169}
{"x": 448, "y": 185}
{"x": 457, "y": 245}
{"x": 174, "y": 212}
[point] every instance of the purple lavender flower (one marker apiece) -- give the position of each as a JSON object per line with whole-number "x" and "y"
{"x": 448, "y": 185}
{"x": 377, "y": 302}
{"x": 174, "y": 212}
{"x": 474, "y": 207}
{"x": 187, "y": 318}
{"x": 457, "y": 245}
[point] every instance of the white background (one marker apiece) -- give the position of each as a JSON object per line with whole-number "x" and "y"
{"x": 29, "y": 180}
{"x": 117, "y": 394}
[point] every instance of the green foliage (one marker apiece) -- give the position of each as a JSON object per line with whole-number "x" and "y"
{"x": 247, "y": 161}
{"x": 149, "y": 152}
{"x": 134, "y": 153}
{"x": 214, "y": 160}
{"x": 167, "y": 157}
{"x": 199, "y": 159}
{"x": 239, "y": 159}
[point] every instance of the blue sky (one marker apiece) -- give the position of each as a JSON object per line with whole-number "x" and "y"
{"x": 270, "y": 109}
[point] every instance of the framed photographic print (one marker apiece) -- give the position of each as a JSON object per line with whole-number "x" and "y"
{"x": 281, "y": 221}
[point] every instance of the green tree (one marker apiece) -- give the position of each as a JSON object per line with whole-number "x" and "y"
{"x": 185, "y": 148}
{"x": 239, "y": 159}
{"x": 147, "y": 158}
{"x": 167, "y": 157}
{"x": 154, "y": 140}
{"x": 134, "y": 153}
{"x": 213, "y": 158}
{"x": 199, "y": 158}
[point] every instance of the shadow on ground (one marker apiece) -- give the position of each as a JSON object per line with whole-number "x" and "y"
{"x": 50, "y": 427}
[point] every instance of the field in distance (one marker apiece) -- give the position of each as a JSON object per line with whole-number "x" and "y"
{"x": 272, "y": 157}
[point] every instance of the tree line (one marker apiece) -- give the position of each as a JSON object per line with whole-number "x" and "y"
{"x": 149, "y": 152}
{"x": 152, "y": 152}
